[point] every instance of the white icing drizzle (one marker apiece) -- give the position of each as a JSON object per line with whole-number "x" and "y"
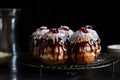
{"x": 40, "y": 32}
{"x": 53, "y": 36}
{"x": 66, "y": 30}
{"x": 80, "y": 36}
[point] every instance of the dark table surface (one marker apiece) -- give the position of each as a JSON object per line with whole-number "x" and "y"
{"x": 16, "y": 71}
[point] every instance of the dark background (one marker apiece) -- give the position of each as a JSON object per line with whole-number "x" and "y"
{"x": 72, "y": 13}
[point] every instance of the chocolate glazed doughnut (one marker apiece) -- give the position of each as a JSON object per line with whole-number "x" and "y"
{"x": 85, "y": 45}
{"x": 50, "y": 45}
{"x": 55, "y": 49}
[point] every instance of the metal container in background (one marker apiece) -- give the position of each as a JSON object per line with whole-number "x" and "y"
{"x": 8, "y": 17}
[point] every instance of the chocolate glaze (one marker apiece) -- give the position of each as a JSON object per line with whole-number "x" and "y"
{"x": 54, "y": 43}
{"x": 79, "y": 48}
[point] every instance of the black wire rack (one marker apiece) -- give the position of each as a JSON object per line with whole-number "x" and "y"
{"x": 104, "y": 60}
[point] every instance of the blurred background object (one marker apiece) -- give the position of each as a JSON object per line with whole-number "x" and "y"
{"x": 8, "y": 20}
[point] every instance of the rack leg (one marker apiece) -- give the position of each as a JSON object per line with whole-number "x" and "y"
{"x": 41, "y": 75}
{"x": 113, "y": 70}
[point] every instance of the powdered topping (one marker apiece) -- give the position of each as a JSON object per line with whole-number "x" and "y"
{"x": 83, "y": 29}
{"x": 54, "y": 34}
{"x": 84, "y": 34}
{"x": 66, "y": 30}
{"x": 93, "y": 33}
{"x": 39, "y": 33}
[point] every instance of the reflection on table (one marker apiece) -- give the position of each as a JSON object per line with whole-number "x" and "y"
{"x": 15, "y": 71}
